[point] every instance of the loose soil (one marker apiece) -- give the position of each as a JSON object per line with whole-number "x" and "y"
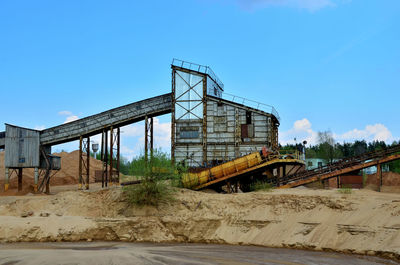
{"x": 363, "y": 222}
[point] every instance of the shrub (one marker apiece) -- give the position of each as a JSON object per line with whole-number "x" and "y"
{"x": 345, "y": 190}
{"x": 157, "y": 176}
{"x": 260, "y": 185}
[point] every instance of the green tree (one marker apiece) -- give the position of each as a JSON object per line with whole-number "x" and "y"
{"x": 327, "y": 148}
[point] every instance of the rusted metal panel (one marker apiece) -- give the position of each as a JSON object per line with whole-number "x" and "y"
{"x": 244, "y": 130}
{"x": 21, "y": 147}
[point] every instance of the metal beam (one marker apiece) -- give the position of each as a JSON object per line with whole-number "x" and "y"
{"x": 340, "y": 172}
{"x": 84, "y": 160}
{"x": 117, "y": 117}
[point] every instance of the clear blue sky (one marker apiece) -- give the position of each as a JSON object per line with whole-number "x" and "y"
{"x": 324, "y": 64}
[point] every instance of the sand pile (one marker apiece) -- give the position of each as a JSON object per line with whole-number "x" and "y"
{"x": 66, "y": 176}
{"x": 390, "y": 182}
{"x": 364, "y": 222}
{"x": 388, "y": 179}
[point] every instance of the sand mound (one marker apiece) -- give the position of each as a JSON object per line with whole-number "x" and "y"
{"x": 388, "y": 179}
{"x": 364, "y": 222}
{"x": 66, "y": 176}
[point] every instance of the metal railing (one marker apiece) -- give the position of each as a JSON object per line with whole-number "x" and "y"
{"x": 207, "y": 70}
{"x": 341, "y": 164}
{"x": 198, "y": 68}
{"x": 251, "y": 103}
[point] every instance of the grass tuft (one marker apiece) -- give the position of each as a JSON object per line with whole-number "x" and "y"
{"x": 260, "y": 185}
{"x": 345, "y": 190}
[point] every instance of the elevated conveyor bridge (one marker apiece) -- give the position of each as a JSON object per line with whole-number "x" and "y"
{"x": 344, "y": 166}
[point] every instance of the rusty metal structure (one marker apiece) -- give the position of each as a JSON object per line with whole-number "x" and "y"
{"x": 27, "y": 148}
{"x": 208, "y": 127}
{"x": 342, "y": 167}
{"x": 241, "y": 172}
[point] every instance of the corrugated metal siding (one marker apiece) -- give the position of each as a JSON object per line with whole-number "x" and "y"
{"x": 225, "y": 129}
{"x": 221, "y": 137}
{"x": 22, "y": 147}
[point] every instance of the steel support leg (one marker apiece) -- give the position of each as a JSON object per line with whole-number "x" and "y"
{"x": 80, "y": 163}
{"x": 104, "y": 179}
{"x": 84, "y": 150}
{"x": 19, "y": 179}
{"x": 6, "y": 181}
{"x": 110, "y": 180}
{"x": 148, "y": 141}
{"x": 151, "y": 138}
{"x": 379, "y": 175}
{"x": 118, "y": 152}
{"x": 87, "y": 163}
{"x": 48, "y": 186}
{"x": 36, "y": 175}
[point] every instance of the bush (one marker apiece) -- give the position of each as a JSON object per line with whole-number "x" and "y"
{"x": 345, "y": 190}
{"x": 157, "y": 176}
{"x": 260, "y": 185}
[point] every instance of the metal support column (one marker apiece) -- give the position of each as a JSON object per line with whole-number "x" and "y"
{"x": 110, "y": 175}
{"x": 80, "y": 164}
{"x": 115, "y": 137}
{"x": 84, "y": 170}
{"x": 7, "y": 178}
{"x": 173, "y": 119}
{"x": 19, "y": 179}
{"x": 146, "y": 139}
{"x": 48, "y": 185}
{"x": 205, "y": 159}
{"x": 149, "y": 140}
{"x": 379, "y": 175}
{"x": 118, "y": 152}
{"x": 87, "y": 163}
{"x": 104, "y": 158}
{"x": 36, "y": 180}
{"x": 278, "y": 176}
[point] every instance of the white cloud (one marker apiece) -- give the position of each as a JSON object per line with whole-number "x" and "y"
{"x": 133, "y": 130}
{"x": 311, "y": 5}
{"x": 376, "y": 132}
{"x": 302, "y": 130}
{"x": 71, "y": 118}
{"x": 132, "y": 138}
{"x": 40, "y": 127}
{"x": 65, "y": 113}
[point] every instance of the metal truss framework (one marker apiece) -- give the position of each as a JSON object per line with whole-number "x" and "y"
{"x": 110, "y": 157}
{"x": 84, "y": 162}
{"x": 177, "y": 101}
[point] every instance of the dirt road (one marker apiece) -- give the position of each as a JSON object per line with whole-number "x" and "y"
{"x": 177, "y": 254}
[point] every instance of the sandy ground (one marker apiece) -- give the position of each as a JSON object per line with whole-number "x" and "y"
{"x": 364, "y": 222}
{"x": 177, "y": 254}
